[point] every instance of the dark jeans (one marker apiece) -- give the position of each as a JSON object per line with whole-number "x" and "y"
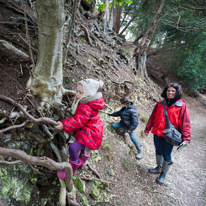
{"x": 163, "y": 148}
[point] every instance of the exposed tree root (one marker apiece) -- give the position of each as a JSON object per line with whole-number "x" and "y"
{"x": 71, "y": 200}
{"x": 10, "y": 163}
{"x": 27, "y": 115}
{"x": 14, "y": 127}
{"x": 42, "y": 161}
{"x": 39, "y": 173}
{"x": 100, "y": 180}
{"x": 88, "y": 35}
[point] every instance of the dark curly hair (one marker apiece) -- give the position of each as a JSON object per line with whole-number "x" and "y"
{"x": 125, "y": 100}
{"x": 178, "y": 88}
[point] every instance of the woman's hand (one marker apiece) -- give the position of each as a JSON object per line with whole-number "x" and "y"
{"x": 59, "y": 126}
{"x": 129, "y": 131}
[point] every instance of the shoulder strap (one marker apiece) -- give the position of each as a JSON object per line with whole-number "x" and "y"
{"x": 165, "y": 114}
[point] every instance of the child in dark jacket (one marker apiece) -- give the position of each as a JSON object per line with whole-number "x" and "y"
{"x": 129, "y": 122}
{"x": 86, "y": 123}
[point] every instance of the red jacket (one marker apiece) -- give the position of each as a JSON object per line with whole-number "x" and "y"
{"x": 178, "y": 115}
{"x": 87, "y": 124}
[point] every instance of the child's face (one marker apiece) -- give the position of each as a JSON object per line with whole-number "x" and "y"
{"x": 80, "y": 91}
{"x": 123, "y": 105}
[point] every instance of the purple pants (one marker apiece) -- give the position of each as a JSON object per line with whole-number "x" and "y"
{"x": 74, "y": 149}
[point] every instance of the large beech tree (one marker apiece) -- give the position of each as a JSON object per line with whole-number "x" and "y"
{"x": 47, "y": 78}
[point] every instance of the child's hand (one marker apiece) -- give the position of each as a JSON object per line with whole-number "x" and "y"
{"x": 146, "y": 133}
{"x": 59, "y": 126}
{"x": 129, "y": 131}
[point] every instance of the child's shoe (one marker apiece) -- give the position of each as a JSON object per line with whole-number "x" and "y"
{"x": 75, "y": 166}
{"x": 84, "y": 158}
{"x": 61, "y": 174}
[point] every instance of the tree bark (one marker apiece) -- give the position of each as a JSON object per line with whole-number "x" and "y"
{"x": 47, "y": 78}
{"x": 116, "y": 18}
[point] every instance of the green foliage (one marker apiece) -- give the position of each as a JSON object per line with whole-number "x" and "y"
{"x": 100, "y": 7}
{"x": 111, "y": 128}
{"x": 126, "y": 53}
{"x": 107, "y": 146}
{"x": 145, "y": 118}
{"x": 125, "y": 162}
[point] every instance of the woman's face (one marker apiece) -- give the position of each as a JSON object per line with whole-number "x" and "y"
{"x": 80, "y": 91}
{"x": 171, "y": 92}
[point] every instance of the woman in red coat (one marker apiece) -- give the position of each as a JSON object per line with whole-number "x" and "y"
{"x": 86, "y": 123}
{"x": 179, "y": 116}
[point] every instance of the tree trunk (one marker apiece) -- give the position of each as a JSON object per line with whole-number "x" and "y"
{"x": 116, "y": 18}
{"x": 111, "y": 16}
{"x": 106, "y": 15}
{"x": 140, "y": 51}
{"x": 127, "y": 26}
{"x": 47, "y": 77}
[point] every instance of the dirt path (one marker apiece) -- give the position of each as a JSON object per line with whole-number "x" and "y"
{"x": 187, "y": 176}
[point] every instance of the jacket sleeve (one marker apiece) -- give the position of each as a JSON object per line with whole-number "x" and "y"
{"x": 151, "y": 120}
{"x": 80, "y": 118}
{"x": 133, "y": 120}
{"x": 115, "y": 114}
{"x": 186, "y": 125}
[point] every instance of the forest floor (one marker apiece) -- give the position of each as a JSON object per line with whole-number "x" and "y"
{"x": 131, "y": 184}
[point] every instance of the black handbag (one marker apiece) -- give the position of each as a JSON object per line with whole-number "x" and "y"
{"x": 172, "y": 134}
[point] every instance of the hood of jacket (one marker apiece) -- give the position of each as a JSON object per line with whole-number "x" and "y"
{"x": 95, "y": 102}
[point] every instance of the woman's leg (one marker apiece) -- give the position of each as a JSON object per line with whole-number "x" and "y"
{"x": 74, "y": 149}
{"x": 158, "y": 142}
{"x": 167, "y": 150}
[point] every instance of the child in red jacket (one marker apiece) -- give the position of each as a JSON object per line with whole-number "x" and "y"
{"x": 86, "y": 123}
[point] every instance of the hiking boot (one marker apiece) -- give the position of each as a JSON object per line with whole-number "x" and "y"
{"x": 139, "y": 155}
{"x": 159, "y": 161}
{"x": 165, "y": 168}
